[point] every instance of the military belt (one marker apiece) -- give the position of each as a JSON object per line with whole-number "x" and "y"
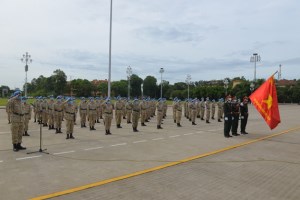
{"x": 92, "y": 109}
{"x": 26, "y": 114}
{"x": 119, "y": 109}
{"x": 70, "y": 113}
{"x": 84, "y": 109}
{"x": 107, "y": 112}
{"x": 58, "y": 110}
{"x": 136, "y": 110}
{"x": 18, "y": 114}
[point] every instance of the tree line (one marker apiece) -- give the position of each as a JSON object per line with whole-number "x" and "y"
{"x": 57, "y": 84}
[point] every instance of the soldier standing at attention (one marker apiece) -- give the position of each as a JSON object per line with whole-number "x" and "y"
{"x": 76, "y": 109}
{"x": 178, "y": 112}
{"x": 27, "y": 115}
{"x": 119, "y": 111}
{"x": 83, "y": 112}
{"x": 17, "y": 120}
{"x": 160, "y": 110}
{"x": 213, "y": 109}
{"x": 220, "y": 108}
{"x": 98, "y": 105}
{"x": 174, "y": 109}
{"x": 51, "y": 113}
{"x": 165, "y": 108}
{"x": 92, "y": 113}
{"x": 143, "y": 109}
{"x": 39, "y": 109}
{"x": 108, "y": 115}
{"x": 128, "y": 111}
{"x": 244, "y": 115}
{"x": 193, "y": 108}
{"x": 69, "y": 110}
{"x": 58, "y": 114}
{"x": 235, "y": 116}
{"x": 227, "y": 117}
{"x": 202, "y": 108}
{"x": 207, "y": 109}
{"x": 124, "y": 101}
{"x": 135, "y": 114}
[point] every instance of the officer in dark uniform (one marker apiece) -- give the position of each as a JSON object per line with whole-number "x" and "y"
{"x": 227, "y": 116}
{"x": 244, "y": 115}
{"x": 235, "y": 116}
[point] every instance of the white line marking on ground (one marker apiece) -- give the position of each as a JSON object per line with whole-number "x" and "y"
{"x": 93, "y": 148}
{"x": 188, "y": 134}
{"x": 158, "y": 139}
{"x": 24, "y": 158}
{"x": 139, "y": 141}
{"x": 200, "y": 132}
{"x": 1, "y": 161}
{"x": 114, "y": 145}
{"x": 172, "y": 136}
{"x": 63, "y": 152}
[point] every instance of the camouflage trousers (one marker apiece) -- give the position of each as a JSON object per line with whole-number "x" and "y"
{"x": 119, "y": 114}
{"x": 178, "y": 116}
{"x": 107, "y": 121}
{"x": 128, "y": 117}
{"x": 135, "y": 119}
{"x": 159, "y": 117}
{"x": 92, "y": 119}
{"x": 58, "y": 120}
{"x": 69, "y": 126}
{"x": 17, "y": 129}
{"x": 193, "y": 117}
{"x": 82, "y": 118}
{"x": 207, "y": 114}
{"x": 26, "y": 122}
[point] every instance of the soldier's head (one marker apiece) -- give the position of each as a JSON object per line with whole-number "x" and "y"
{"x": 245, "y": 100}
{"x": 207, "y": 98}
{"x": 18, "y": 94}
{"x": 228, "y": 98}
{"x": 107, "y": 101}
{"x": 58, "y": 98}
{"x": 91, "y": 99}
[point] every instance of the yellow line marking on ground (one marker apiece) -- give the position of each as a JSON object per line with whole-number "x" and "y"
{"x": 84, "y": 187}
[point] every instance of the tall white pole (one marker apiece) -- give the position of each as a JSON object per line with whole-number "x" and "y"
{"x": 109, "y": 63}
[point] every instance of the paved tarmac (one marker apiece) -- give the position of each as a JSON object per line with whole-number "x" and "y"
{"x": 265, "y": 169}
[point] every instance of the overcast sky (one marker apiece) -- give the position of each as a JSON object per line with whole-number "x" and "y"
{"x": 207, "y": 39}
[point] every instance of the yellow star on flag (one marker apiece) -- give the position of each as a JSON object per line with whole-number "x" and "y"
{"x": 269, "y": 101}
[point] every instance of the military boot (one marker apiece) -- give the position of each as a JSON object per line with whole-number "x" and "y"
{"x": 202, "y": 119}
{"x": 106, "y": 132}
{"x": 219, "y": 120}
{"x": 59, "y": 130}
{"x": 71, "y": 136}
{"x": 143, "y": 124}
{"x": 207, "y": 122}
{"x": 193, "y": 123}
{"x": 56, "y": 130}
{"x": 34, "y": 120}
{"x": 49, "y": 127}
{"x": 20, "y": 147}
{"x": 68, "y": 136}
{"x": 93, "y": 128}
{"x": 174, "y": 121}
{"x": 15, "y": 147}
{"x": 178, "y": 125}
{"x": 109, "y": 133}
{"x": 26, "y": 134}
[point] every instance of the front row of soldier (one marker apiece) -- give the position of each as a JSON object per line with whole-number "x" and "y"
{"x": 53, "y": 112}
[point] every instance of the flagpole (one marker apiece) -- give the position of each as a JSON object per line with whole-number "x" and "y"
{"x": 275, "y": 73}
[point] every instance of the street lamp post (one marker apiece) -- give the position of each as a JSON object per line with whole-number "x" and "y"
{"x": 26, "y": 59}
{"x": 226, "y": 82}
{"x": 188, "y": 82}
{"x": 161, "y": 71}
{"x": 252, "y": 87}
{"x": 129, "y": 73}
{"x": 109, "y": 57}
{"x": 255, "y": 58}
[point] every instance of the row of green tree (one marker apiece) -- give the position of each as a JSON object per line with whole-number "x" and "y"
{"x": 57, "y": 84}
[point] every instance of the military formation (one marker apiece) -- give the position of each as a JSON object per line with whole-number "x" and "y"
{"x": 50, "y": 112}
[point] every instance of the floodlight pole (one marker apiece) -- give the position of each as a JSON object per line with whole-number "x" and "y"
{"x": 129, "y": 74}
{"x": 109, "y": 62}
{"x": 255, "y": 58}
{"x": 26, "y": 59}
{"x": 161, "y": 71}
{"x": 188, "y": 82}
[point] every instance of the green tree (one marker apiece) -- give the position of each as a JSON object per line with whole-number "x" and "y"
{"x": 149, "y": 86}
{"x": 119, "y": 88}
{"x": 135, "y": 84}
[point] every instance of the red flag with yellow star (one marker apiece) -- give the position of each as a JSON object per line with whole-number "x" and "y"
{"x": 265, "y": 101}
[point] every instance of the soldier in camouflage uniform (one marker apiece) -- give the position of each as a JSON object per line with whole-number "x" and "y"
{"x": 143, "y": 108}
{"x": 135, "y": 114}
{"x": 92, "y": 113}
{"x": 193, "y": 108}
{"x": 27, "y": 115}
{"x": 174, "y": 109}
{"x": 98, "y": 105}
{"x": 8, "y": 112}
{"x": 58, "y": 114}
{"x": 207, "y": 109}
{"x": 220, "y": 109}
{"x": 178, "y": 108}
{"x": 128, "y": 106}
{"x": 17, "y": 120}
{"x": 107, "y": 108}
{"x": 51, "y": 113}
{"x": 202, "y": 108}
{"x": 213, "y": 109}
{"x": 160, "y": 112}
{"x": 83, "y": 112}
{"x": 69, "y": 115}
{"x": 44, "y": 105}
{"x": 119, "y": 106}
